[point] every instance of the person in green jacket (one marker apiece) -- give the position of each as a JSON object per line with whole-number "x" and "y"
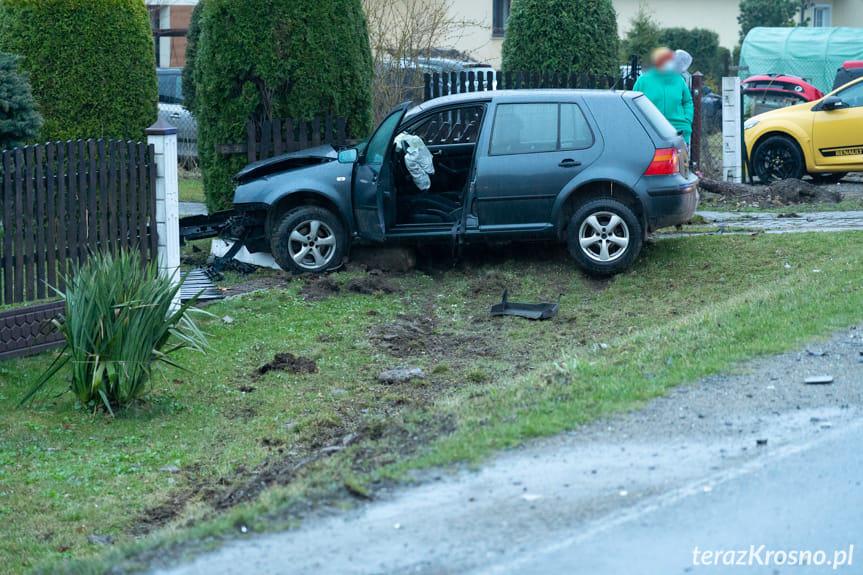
{"x": 665, "y": 87}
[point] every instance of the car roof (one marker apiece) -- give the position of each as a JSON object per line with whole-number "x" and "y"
{"x": 528, "y": 95}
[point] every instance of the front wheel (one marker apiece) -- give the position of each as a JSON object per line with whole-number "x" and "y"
{"x": 777, "y": 158}
{"x": 309, "y": 240}
{"x": 604, "y": 237}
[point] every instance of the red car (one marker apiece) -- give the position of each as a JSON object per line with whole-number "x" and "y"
{"x": 772, "y": 91}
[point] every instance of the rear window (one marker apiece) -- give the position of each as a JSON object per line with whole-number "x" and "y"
{"x": 655, "y": 118}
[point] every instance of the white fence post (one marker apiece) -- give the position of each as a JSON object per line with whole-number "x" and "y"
{"x": 732, "y": 144}
{"x": 163, "y": 137}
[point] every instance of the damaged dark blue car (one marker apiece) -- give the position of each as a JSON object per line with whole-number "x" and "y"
{"x": 598, "y": 170}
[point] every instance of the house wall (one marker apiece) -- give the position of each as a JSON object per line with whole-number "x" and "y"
{"x": 476, "y": 38}
{"x": 180, "y": 18}
{"x": 846, "y": 12}
{"x": 172, "y": 14}
{"x": 717, "y": 15}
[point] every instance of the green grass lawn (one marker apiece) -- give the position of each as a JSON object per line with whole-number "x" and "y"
{"x": 690, "y": 307}
{"x": 192, "y": 190}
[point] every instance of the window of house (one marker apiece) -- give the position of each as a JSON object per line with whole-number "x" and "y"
{"x": 500, "y": 14}
{"x": 822, "y": 15}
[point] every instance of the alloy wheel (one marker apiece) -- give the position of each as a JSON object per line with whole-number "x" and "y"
{"x": 312, "y": 244}
{"x": 604, "y": 236}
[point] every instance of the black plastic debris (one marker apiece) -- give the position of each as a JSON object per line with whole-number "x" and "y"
{"x": 198, "y": 283}
{"x": 538, "y": 311}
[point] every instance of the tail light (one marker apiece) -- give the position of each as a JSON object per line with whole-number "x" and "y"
{"x": 665, "y": 162}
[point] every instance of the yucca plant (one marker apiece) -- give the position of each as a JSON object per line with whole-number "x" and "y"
{"x": 119, "y": 324}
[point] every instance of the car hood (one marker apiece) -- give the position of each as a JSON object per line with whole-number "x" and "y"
{"x": 785, "y": 112}
{"x": 287, "y": 162}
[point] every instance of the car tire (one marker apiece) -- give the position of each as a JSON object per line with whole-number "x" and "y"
{"x": 831, "y": 178}
{"x": 310, "y": 239}
{"x": 604, "y": 237}
{"x": 778, "y": 158}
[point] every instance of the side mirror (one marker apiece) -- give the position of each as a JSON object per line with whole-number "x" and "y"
{"x": 348, "y": 156}
{"x": 831, "y": 103}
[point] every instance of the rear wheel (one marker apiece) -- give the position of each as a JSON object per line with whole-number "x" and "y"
{"x": 830, "y": 178}
{"x": 604, "y": 237}
{"x": 309, "y": 240}
{"x": 777, "y": 158}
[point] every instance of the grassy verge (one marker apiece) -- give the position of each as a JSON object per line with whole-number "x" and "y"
{"x": 688, "y": 308}
{"x": 192, "y": 190}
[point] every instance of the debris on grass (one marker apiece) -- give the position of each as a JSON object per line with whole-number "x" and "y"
{"x": 290, "y": 363}
{"x": 169, "y": 469}
{"x": 401, "y": 375}
{"x": 539, "y": 311}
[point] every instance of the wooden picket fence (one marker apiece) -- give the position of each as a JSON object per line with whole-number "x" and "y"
{"x": 272, "y": 138}
{"x": 60, "y": 202}
{"x": 437, "y": 85}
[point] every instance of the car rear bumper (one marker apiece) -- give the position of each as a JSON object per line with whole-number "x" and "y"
{"x": 671, "y": 202}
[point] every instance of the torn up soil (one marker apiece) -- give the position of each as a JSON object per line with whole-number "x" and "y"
{"x": 412, "y": 335}
{"x": 370, "y": 286}
{"x": 320, "y": 289}
{"x": 290, "y": 363}
{"x": 778, "y": 194}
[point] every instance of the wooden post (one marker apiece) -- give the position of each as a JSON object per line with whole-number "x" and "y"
{"x": 163, "y": 137}
{"x": 697, "y": 93}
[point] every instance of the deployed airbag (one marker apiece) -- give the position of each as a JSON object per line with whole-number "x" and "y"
{"x": 418, "y": 159}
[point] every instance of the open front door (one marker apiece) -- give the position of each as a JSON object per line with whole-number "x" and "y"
{"x": 373, "y": 188}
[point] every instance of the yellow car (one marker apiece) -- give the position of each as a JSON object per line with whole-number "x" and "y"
{"x": 823, "y": 138}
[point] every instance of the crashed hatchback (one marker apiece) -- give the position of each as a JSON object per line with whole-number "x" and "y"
{"x": 598, "y": 170}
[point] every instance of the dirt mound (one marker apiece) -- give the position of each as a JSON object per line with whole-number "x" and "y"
{"x": 780, "y": 193}
{"x": 290, "y": 363}
{"x": 320, "y": 289}
{"x": 370, "y": 286}
{"x": 800, "y": 192}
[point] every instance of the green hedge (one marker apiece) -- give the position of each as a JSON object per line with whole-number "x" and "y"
{"x": 702, "y": 45}
{"x": 264, "y": 59}
{"x": 561, "y": 36}
{"x": 91, "y": 62}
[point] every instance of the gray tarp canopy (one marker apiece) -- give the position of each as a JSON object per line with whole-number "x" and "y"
{"x": 813, "y": 54}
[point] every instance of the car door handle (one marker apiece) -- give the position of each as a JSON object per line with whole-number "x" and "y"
{"x": 569, "y": 163}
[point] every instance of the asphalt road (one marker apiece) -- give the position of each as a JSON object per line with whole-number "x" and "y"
{"x": 634, "y": 494}
{"x": 763, "y": 517}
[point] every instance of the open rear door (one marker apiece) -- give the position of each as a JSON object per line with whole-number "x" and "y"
{"x": 373, "y": 182}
